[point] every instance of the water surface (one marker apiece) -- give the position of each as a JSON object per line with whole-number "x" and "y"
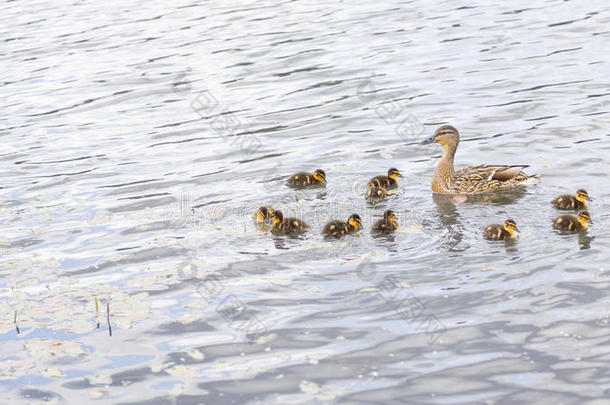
{"x": 139, "y": 138}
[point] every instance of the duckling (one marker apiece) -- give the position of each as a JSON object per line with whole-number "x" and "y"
{"x": 572, "y": 202}
{"x": 338, "y": 228}
{"x": 386, "y": 225}
{"x": 304, "y": 179}
{"x": 263, "y": 215}
{"x": 473, "y": 179}
{"x": 507, "y": 230}
{"x": 284, "y": 226}
{"x": 375, "y": 194}
{"x": 388, "y": 181}
{"x": 573, "y": 223}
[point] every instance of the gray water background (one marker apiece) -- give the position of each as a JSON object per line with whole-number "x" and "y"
{"x": 138, "y": 138}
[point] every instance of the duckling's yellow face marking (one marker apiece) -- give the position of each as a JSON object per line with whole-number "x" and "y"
{"x": 584, "y": 217}
{"x": 582, "y": 195}
{"x": 319, "y": 175}
{"x": 510, "y": 226}
{"x": 355, "y": 220}
{"x": 393, "y": 173}
{"x": 277, "y": 217}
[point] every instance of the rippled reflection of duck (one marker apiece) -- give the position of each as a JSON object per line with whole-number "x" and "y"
{"x": 473, "y": 179}
{"x": 337, "y": 228}
{"x": 577, "y": 201}
{"x": 449, "y": 218}
{"x": 305, "y": 179}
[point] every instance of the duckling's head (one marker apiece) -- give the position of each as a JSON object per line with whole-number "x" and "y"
{"x": 389, "y": 215}
{"x": 511, "y": 226}
{"x": 355, "y": 220}
{"x": 263, "y": 214}
{"x": 584, "y": 218}
{"x": 582, "y": 195}
{"x": 277, "y": 216}
{"x": 393, "y": 173}
{"x": 445, "y": 135}
{"x": 320, "y": 175}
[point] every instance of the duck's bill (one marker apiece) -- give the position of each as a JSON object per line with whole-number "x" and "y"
{"x": 588, "y": 198}
{"x": 517, "y": 230}
{"x": 428, "y": 141}
{"x": 591, "y": 222}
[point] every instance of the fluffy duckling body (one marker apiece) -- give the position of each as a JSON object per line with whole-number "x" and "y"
{"x": 305, "y": 179}
{"x": 386, "y": 225}
{"x": 339, "y": 228}
{"x": 507, "y": 230}
{"x": 473, "y": 179}
{"x": 577, "y": 201}
{"x": 263, "y": 215}
{"x": 375, "y": 194}
{"x": 573, "y": 223}
{"x": 389, "y": 181}
{"x": 285, "y": 226}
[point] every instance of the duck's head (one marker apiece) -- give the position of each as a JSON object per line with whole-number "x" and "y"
{"x": 511, "y": 226}
{"x": 277, "y": 216}
{"x": 582, "y": 195}
{"x": 389, "y": 215}
{"x": 584, "y": 218}
{"x": 355, "y": 220}
{"x": 445, "y": 135}
{"x": 320, "y": 175}
{"x": 393, "y": 173}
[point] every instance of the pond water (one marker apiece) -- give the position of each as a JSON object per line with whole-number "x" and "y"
{"x": 139, "y": 138}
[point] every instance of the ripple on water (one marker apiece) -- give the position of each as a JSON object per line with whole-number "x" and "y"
{"x": 137, "y": 145}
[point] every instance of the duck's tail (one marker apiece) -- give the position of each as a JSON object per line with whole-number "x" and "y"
{"x": 533, "y": 179}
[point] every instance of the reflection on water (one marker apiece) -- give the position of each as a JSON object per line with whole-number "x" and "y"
{"x": 138, "y": 141}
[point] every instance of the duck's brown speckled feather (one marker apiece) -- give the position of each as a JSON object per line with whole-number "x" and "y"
{"x": 383, "y": 226}
{"x": 376, "y": 194}
{"x": 484, "y": 178}
{"x": 569, "y": 202}
{"x": 290, "y": 225}
{"x": 384, "y": 181}
{"x": 496, "y": 232}
{"x": 337, "y": 228}
{"x": 303, "y": 179}
{"x": 568, "y": 223}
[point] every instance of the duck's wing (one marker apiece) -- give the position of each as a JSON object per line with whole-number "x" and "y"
{"x": 379, "y": 181}
{"x": 491, "y": 172}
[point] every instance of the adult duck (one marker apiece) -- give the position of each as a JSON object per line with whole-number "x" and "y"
{"x": 474, "y": 179}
